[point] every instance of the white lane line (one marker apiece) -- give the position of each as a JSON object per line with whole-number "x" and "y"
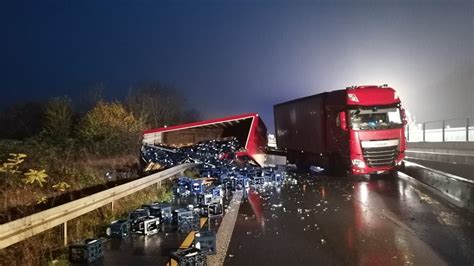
{"x": 440, "y": 153}
{"x": 226, "y": 228}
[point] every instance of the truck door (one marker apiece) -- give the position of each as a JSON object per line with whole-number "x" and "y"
{"x": 338, "y": 139}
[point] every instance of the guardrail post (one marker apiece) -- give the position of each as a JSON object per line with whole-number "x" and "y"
{"x": 467, "y": 129}
{"x": 424, "y": 134}
{"x": 65, "y": 233}
{"x": 443, "y": 132}
{"x": 112, "y": 206}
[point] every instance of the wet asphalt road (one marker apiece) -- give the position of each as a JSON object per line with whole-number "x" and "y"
{"x": 350, "y": 221}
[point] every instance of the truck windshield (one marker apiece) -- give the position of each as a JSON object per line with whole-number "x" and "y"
{"x": 375, "y": 118}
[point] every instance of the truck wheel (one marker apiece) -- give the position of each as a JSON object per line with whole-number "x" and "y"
{"x": 336, "y": 166}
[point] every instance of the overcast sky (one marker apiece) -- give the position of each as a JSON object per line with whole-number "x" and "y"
{"x": 231, "y": 57}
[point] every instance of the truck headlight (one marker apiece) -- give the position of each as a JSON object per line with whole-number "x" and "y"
{"x": 358, "y": 163}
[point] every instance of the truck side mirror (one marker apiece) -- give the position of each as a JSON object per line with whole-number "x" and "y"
{"x": 404, "y": 116}
{"x": 342, "y": 121}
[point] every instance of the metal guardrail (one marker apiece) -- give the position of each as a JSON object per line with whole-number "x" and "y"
{"x": 452, "y": 130}
{"x": 21, "y": 229}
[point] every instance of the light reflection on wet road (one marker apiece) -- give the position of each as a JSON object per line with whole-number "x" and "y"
{"x": 355, "y": 221}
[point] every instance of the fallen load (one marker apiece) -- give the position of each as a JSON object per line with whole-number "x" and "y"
{"x": 245, "y": 134}
{"x": 189, "y": 256}
{"x": 217, "y": 159}
{"x": 211, "y": 153}
{"x": 86, "y": 251}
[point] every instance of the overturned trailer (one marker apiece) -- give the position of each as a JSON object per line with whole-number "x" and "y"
{"x": 248, "y": 129}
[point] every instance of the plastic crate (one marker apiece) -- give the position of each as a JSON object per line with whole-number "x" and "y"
{"x": 87, "y": 251}
{"x": 119, "y": 229}
{"x": 197, "y": 187}
{"x": 189, "y": 256}
{"x": 206, "y": 242}
{"x": 146, "y": 226}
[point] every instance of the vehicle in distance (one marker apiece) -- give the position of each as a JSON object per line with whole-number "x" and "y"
{"x": 359, "y": 130}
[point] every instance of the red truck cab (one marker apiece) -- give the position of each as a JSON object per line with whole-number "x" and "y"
{"x": 359, "y": 129}
{"x": 374, "y": 121}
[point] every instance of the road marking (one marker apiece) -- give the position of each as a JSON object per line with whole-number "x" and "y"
{"x": 440, "y": 153}
{"x": 188, "y": 241}
{"x": 224, "y": 234}
{"x": 387, "y": 214}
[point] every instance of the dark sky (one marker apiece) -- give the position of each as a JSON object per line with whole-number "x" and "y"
{"x": 231, "y": 57}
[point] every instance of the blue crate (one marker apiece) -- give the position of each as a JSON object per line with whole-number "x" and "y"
{"x": 184, "y": 181}
{"x": 259, "y": 181}
{"x": 197, "y": 186}
{"x": 146, "y": 225}
{"x": 87, "y": 251}
{"x": 215, "y": 208}
{"x": 217, "y": 191}
{"x": 182, "y": 214}
{"x": 189, "y": 256}
{"x": 137, "y": 214}
{"x": 182, "y": 191}
{"x": 153, "y": 208}
{"x": 205, "y": 199}
{"x": 119, "y": 229}
{"x": 166, "y": 212}
{"x": 205, "y": 241}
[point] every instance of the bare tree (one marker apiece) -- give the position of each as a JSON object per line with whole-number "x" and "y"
{"x": 157, "y": 105}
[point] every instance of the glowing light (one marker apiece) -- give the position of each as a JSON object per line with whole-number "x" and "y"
{"x": 358, "y": 163}
{"x": 353, "y": 97}
{"x": 363, "y": 192}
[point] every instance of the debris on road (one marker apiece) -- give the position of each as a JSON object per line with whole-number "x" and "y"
{"x": 86, "y": 251}
{"x": 189, "y": 256}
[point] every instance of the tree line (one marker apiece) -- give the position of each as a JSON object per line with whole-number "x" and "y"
{"x": 56, "y": 146}
{"x": 103, "y": 127}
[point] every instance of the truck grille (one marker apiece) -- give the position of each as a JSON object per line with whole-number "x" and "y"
{"x": 380, "y": 156}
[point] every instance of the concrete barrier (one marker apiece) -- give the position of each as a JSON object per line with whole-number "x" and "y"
{"x": 461, "y": 153}
{"x": 444, "y": 147}
{"x": 457, "y": 190}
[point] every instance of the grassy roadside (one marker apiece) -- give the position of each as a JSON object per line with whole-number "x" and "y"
{"x": 48, "y": 246}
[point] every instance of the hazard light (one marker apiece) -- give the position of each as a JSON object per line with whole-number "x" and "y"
{"x": 396, "y": 96}
{"x": 358, "y": 163}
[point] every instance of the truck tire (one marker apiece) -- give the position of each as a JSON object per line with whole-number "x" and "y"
{"x": 337, "y": 167}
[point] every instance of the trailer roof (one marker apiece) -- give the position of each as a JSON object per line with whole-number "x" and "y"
{"x": 211, "y": 123}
